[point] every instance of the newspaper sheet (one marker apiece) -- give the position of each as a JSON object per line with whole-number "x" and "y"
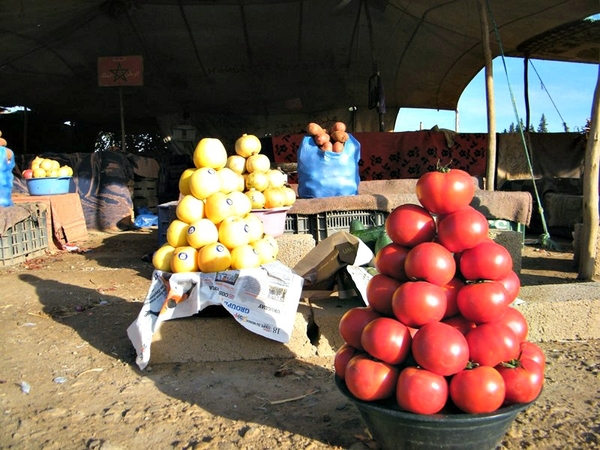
{"x": 263, "y": 300}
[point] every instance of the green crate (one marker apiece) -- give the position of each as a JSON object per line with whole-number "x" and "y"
{"x": 24, "y": 240}
{"x": 509, "y": 225}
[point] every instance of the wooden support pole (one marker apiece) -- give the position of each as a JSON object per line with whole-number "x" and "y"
{"x": 589, "y": 238}
{"x": 490, "y": 174}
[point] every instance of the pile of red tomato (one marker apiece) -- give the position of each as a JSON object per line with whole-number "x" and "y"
{"x": 439, "y": 332}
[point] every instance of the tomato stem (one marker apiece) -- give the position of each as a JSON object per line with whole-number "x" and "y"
{"x": 443, "y": 169}
{"x": 512, "y": 364}
{"x": 471, "y": 365}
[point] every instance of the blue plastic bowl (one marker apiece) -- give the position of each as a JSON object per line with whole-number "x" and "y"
{"x": 395, "y": 429}
{"x": 48, "y": 186}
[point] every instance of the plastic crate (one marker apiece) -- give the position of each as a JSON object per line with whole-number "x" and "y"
{"x": 509, "y": 225}
{"x": 166, "y": 215}
{"x": 297, "y": 224}
{"x": 325, "y": 224}
{"x": 24, "y": 240}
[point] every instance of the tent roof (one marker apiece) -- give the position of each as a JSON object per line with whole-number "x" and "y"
{"x": 261, "y": 57}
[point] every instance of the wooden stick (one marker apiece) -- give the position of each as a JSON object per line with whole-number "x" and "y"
{"x": 287, "y": 400}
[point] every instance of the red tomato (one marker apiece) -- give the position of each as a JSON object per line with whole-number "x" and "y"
{"x": 380, "y": 290}
{"x": 440, "y": 348}
{"x": 451, "y": 290}
{"x": 482, "y": 302}
{"x": 386, "y": 339}
{"x": 344, "y": 354}
{"x": 353, "y": 322}
{"x": 486, "y": 261}
{"x": 523, "y": 379}
{"x": 409, "y": 225}
{"x": 390, "y": 261}
{"x": 512, "y": 284}
{"x": 462, "y": 229}
{"x": 370, "y": 380}
{"x": 416, "y": 303}
{"x": 533, "y": 351}
{"x": 460, "y": 323}
{"x": 516, "y": 321}
{"x": 492, "y": 343}
{"x": 421, "y": 391}
{"x": 477, "y": 391}
{"x": 431, "y": 262}
{"x": 445, "y": 191}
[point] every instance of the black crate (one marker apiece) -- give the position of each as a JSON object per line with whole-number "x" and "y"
{"x": 297, "y": 224}
{"x": 324, "y": 224}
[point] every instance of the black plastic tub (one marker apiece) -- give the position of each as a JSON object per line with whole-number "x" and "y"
{"x": 394, "y": 429}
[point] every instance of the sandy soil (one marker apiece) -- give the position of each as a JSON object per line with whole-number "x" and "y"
{"x": 63, "y": 334}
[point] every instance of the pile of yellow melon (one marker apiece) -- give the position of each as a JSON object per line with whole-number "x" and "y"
{"x": 215, "y": 229}
{"x": 47, "y": 168}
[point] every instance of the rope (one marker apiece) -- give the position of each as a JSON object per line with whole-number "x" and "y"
{"x": 550, "y": 97}
{"x": 544, "y": 239}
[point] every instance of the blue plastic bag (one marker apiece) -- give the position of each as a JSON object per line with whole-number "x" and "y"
{"x": 7, "y": 163}
{"x": 146, "y": 220}
{"x": 328, "y": 174}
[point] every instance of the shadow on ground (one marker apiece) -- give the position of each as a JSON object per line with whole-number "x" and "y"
{"x": 91, "y": 294}
{"x": 285, "y": 394}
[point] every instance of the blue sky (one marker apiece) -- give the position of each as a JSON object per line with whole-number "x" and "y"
{"x": 565, "y": 92}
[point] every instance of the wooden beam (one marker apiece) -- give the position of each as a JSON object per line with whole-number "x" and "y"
{"x": 589, "y": 238}
{"x": 490, "y": 174}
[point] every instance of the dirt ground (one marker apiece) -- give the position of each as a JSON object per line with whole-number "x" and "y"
{"x": 68, "y": 378}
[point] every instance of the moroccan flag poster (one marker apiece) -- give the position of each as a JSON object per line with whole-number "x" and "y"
{"x": 120, "y": 71}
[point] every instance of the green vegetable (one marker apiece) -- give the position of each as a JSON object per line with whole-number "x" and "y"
{"x": 382, "y": 241}
{"x": 356, "y": 225}
{"x": 372, "y": 270}
{"x": 369, "y": 235}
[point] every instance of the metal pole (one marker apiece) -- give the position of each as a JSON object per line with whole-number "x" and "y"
{"x": 123, "y": 142}
{"x": 526, "y": 94}
{"x": 25, "y": 125}
{"x": 456, "y": 121}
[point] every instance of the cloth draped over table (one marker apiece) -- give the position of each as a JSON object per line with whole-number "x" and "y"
{"x": 103, "y": 182}
{"x": 557, "y": 161}
{"x": 401, "y": 155}
{"x": 553, "y": 155}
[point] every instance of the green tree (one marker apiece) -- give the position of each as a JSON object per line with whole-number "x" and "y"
{"x": 543, "y": 126}
{"x": 517, "y": 128}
